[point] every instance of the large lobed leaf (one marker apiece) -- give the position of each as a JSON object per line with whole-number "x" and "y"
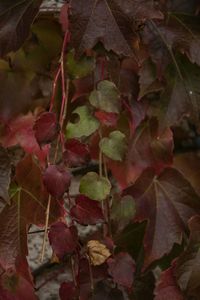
{"x": 167, "y": 201}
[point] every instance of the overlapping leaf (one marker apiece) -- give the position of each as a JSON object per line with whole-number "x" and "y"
{"x": 108, "y": 21}
{"x": 16, "y": 18}
{"x": 167, "y": 201}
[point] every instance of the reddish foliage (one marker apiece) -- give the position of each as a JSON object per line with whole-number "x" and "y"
{"x": 63, "y": 239}
{"x": 76, "y": 153}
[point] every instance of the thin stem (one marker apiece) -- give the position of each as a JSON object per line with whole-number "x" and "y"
{"x": 46, "y": 229}
{"x": 55, "y": 82}
{"x": 91, "y": 274}
{"x": 73, "y": 271}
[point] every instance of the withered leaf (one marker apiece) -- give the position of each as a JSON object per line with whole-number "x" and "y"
{"x": 98, "y": 252}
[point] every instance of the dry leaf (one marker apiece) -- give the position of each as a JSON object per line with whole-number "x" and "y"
{"x": 98, "y": 253}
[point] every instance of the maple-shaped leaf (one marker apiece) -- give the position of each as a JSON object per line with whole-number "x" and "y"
{"x": 187, "y": 265}
{"x": 150, "y": 148}
{"x": 16, "y": 18}
{"x": 63, "y": 239}
{"x": 122, "y": 268}
{"x": 67, "y": 291}
{"x": 167, "y": 287}
{"x": 46, "y": 128}
{"x": 86, "y": 211}
{"x": 167, "y": 202}
{"x": 5, "y": 173}
{"x": 15, "y": 287}
{"x": 57, "y": 180}
{"x": 108, "y": 21}
{"x": 76, "y": 153}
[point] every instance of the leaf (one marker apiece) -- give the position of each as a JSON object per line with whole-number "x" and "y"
{"x": 106, "y": 97}
{"x": 13, "y": 287}
{"x": 98, "y": 252}
{"x": 109, "y": 119}
{"x": 96, "y": 17}
{"x": 167, "y": 201}
{"x": 123, "y": 211}
{"x": 150, "y": 148}
{"x": 86, "y": 211}
{"x": 46, "y": 128}
{"x": 16, "y": 19}
{"x": 167, "y": 287}
{"x": 187, "y": 269}
{"x": 20, "y": 132}
{"x": 67, "y": 291}
{"x": 114, "y": 146}
{"x": 57, "y": 180}
{"x": 102, "y": 290}
{"x": 5, "y": 173}
{"x": 63, "y": 239}
{"x": 95, "y": 187}
{"x": 86, "y": 125}
{"x": 122, "y": 268}
{"x": 76, "y": 153}
{"x": 79, "y": 68}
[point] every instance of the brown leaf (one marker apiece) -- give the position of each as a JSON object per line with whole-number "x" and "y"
{"x": 98, "y": 252}
{"x": 110, "y": 22}
{"x": 16, "y": 18}
{"x": 167, "y": 201}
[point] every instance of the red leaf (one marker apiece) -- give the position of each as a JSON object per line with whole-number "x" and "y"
{"x": 76, "y": 153}
{"x": 122, "y": 268}
{"x": 167, "y": 287}
{"x": 67, "y": 291}
{"x": 107, "y": 118}
{"x": 167, "y": 201}
{"x": 57, "y": 180}
{"x": 46, "y": 128}
{"x": 86, "y": 211}
{"x": 20, "y": 132}
{"x": 149, "y": 148}
{"x": 63, "y": 239}
{"x": 15, "y": 287}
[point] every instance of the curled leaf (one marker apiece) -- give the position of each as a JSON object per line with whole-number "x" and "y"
{"x": 98, "y": 252}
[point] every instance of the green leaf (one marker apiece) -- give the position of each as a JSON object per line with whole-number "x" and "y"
{"x": 124, "y": 209}
{"x": 79, "y": 68}
{"x": 114, "y": 146}
{"x": 94, "y": 186}
{"x": 106, "y": 97}
{"x": 86, "y": 125}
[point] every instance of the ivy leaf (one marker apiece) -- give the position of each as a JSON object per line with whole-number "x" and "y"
{"x": 76, "y": 153}
{"x": 86, "y": 211}
{"x": 98, "y": 252}
{"x": 102, "y": 290}
{"x": 13, "y": 286}
{"x": 187, "y": 268}
{"x": 63, "y": 239}
{"x": 106, "y": 97}
{"x": 114, "y": 146}
{"x": 67, "y": 291}
{"x": 79, "y": 68}
{"x": 167, "y": 201}
{"x": 95, "y": 187}
{"x": 57, "y": 180}
{"x": 46, "y": 128}
{"x": 167, "y": 287}
{"x": 16, "y": 19}
{"x": 96, "y": 17}
{"x": 86, "y": 125}
{"x": 150, "y": 148}
{"x": 5, "y": 173}
{"x": 122, "y": 268}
